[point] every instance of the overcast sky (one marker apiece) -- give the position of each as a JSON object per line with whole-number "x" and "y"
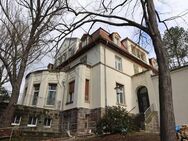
{"x": 166, "y": 8}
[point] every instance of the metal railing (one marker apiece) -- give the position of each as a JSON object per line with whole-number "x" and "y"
{"x": 149, "y": 110}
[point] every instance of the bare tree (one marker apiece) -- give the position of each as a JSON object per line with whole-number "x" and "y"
{"x": 148, "y": 23}
{"x": 26, "y": 27}
{"x": 3, "y": 75}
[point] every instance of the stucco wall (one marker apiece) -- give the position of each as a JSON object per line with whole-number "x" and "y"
{"x": 180, "y": 93}
{"x": 139, "y": 80}
{"x": 102, "y": 77}
{"x": 44, "y": 78}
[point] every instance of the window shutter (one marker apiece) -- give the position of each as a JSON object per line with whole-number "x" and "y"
{"x": 86, "y": 90}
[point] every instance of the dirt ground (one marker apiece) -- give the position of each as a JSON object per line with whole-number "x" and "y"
{"x": 116, "y": 137}
{"x": 113, "y": 137}
{"x": 133, "y": 137}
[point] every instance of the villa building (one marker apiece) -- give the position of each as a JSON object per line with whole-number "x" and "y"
{"x": 93, "y": 72}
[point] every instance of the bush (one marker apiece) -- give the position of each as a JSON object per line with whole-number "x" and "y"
{"x": 115, "y": 120}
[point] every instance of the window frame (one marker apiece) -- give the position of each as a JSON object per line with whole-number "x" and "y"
{"x": 70, "y": 96}
{"x": 15, "y": 119}
{"x": 32, "y": 121}
{"x": 87, "y": 95}
{"x": 46, "y": 125}
{"x": 118, "y": 63}
{"x": 120, "y": 96}
{"x": 35, "y": 94}
{"x": 51, "y": 90}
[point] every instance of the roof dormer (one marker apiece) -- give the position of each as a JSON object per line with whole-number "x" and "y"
{"x": 85, "y": 39}
{"x": 116, "y": 38}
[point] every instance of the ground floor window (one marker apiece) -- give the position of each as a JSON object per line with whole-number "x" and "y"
{"x": 70, "y": 95}
{"x": 120, "y": 93}
{"x": 86, "y": 90}
{"x": 51, "y": 94}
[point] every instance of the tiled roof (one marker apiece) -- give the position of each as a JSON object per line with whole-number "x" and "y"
{"x": 102, "y": 36}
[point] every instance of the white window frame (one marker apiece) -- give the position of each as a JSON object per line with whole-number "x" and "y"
{"x": 51, "y": 90}
{"x": 120, "y": 92}
{"x": 118, "y": 63}
{"x": 34, "y": 93}
{"x": 32, "y": 120}
{"x": 45, "y": 123}
{"x": 15, "y": 119}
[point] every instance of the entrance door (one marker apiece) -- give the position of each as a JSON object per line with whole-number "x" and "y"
{"x": 143, "y": 99}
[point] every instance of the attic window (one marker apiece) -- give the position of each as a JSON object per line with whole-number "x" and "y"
{"x": 138, "y": 53}
{"x": 85, "y": 41}
{"x": 116, "y": 39}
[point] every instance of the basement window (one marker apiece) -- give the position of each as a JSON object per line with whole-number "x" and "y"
{"x": 16, "y": 120}
{"x": 32, "y": 122}
{"x": 47, "y": 122}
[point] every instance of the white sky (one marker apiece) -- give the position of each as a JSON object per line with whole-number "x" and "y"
{"x": 166, "y": 8}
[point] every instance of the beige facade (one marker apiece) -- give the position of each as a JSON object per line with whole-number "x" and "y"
{"x": 105, "y": 72}
{"x": 180, "y": 93}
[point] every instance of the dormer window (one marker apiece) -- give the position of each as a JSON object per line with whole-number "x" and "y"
{"x": 138, "y": 53}
{"x": 116, "y": 41}
{"x": 85, "y": 40}
{"x": 116, "y": 38}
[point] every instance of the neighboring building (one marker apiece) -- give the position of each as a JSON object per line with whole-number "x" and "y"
{"x": 96, "y": 71}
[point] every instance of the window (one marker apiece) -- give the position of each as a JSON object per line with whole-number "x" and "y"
{"x": 118, "y": 63}
{"x": 47, "y": 122}
{"x": 16, "y": 120}
{"x": 32, "y": 122}
{"x": 116, "y": 40}
{"x": 120, "y": 93}
{"x": 36, "y": 94}
{"x": 138, "y": 53}
{"x": 86, "y": 90}
{"x": 71, "y": 92}
{"x": 51, "y": 94}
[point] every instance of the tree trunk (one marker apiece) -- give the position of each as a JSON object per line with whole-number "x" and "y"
{"x": 8, "y": 113}
{"x": 167, "y": 120}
